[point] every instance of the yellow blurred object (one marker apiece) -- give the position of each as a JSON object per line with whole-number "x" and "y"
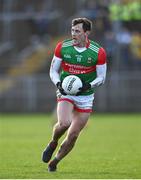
{"x": 136, "y": 45}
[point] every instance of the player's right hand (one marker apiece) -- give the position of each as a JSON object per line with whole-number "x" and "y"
{"x": 59, "y": 86}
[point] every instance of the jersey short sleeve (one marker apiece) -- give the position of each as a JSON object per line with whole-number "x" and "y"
{"x": 101, "y": 56}
{"x": 57, "y": 51}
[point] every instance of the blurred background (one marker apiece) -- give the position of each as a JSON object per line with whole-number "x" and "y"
{"x": 29, "y": 31}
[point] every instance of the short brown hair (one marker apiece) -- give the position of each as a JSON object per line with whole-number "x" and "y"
{"x": 87, "y": 24}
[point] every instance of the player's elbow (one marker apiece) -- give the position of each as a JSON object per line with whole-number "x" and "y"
{"x": 103, "y": 79}
{"x": 51, "y": 74}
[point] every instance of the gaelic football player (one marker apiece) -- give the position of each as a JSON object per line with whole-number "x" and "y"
{"x": 86, "y": 59}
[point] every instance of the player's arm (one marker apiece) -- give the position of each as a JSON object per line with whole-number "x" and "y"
{"x": 101, "y": 69}
{"x": 54, "y": 69}
{"x": 56, "y": 64}
{"x": 101, "y": 75}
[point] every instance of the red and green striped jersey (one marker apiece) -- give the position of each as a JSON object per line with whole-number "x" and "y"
{"x": 80, "y": 63}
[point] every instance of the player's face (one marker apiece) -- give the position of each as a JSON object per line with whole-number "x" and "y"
{"x": 78, "y": 35}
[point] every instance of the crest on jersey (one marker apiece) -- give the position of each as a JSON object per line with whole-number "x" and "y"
{"x": 89, "y": 60}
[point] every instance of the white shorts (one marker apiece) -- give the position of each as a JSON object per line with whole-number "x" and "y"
{"x": 81, "y": 103}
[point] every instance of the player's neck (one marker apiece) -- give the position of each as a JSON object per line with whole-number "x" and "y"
{"x": 82, "y": 44}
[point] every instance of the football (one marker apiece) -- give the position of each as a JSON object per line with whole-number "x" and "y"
{"x": 71, "y": 84}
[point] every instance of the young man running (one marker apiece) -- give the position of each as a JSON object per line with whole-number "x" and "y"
{"x": 86, "y": 59}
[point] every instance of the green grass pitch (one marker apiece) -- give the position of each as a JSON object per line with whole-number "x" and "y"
{"x": 109, "y": 147}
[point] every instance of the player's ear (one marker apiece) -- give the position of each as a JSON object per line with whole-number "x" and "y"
{"x": 87, "y": 33}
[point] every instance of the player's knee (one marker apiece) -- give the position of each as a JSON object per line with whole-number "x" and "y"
{"x": 64, "y": 125}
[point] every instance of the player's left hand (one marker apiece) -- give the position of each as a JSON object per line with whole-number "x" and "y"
{"x": 86, "y": 86}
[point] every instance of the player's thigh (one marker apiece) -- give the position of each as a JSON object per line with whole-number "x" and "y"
{"x": 64, "y": 112}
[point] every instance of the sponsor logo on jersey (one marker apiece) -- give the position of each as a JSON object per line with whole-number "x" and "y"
{"x": 77, "y": 69}
{"x": 67, "y": 56}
